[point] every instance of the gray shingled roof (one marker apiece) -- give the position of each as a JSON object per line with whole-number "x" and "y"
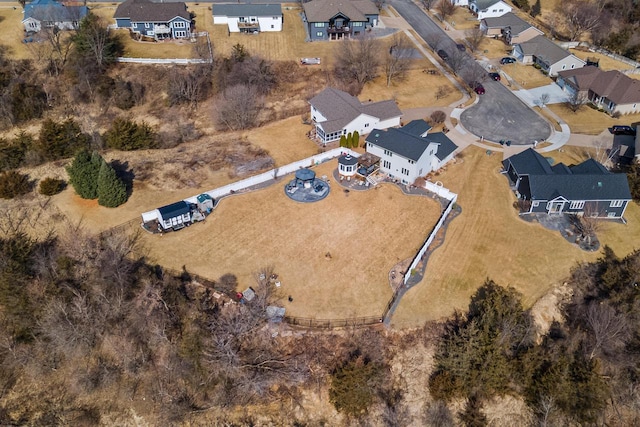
{"x": 173, "y": 210}
{"x": 340, "y": 109}
{"x": 407, "y": 142}
{"x": 247, "y": 10}
{"x": 416, "y": 127}
{"x": 543, "y": 48}
{"x": 508, "y": 20}
{"x": 485, "y": 4}
{"x": 323, "y": 10}
{"x": 528, "y": 162}
{"x": 148, "y": 11}
{"x": 48, "y": 10}
{"x": 588, "y": 167}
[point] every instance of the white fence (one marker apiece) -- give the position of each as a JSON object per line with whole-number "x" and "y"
{"x": 439, "y": 190}
{"x": 605, "y": 52}
{"x": 263, "y": 177}
{"x": 179, "y": 61}
{"x": 432, "y": 236}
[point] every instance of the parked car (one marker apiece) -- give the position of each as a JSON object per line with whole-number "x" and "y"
{"x": 495, "y": 76}
{"x": 622, "y": 130}
{"x": 442, "y": 54}
{"x": 461, "y": 47}
{"x": 507, "y": 60}
{"x": 478, "y": 88}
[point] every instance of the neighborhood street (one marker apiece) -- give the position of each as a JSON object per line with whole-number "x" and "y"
{"x": 499, "y": 114}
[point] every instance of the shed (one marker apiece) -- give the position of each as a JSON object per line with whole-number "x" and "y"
{"x": 347, "y": 165}
{"x": 175, "y": 215}
{"x": 275, "y": 314}
{"x": 305, "y": 177}
{"x": 205, "y": 202}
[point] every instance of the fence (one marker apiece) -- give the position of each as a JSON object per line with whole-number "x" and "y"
{"x": 592, "y": 48}
{"x": 178, "y": 61}
{"x": 264, "y": 177}
{"x": 355, "y": 322}
{"x": 439, "y": 190}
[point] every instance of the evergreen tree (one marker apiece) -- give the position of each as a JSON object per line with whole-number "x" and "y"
{"x": 356, "y": 140}
{"x": 112, "y": 191}
{"x": 83, "y": 174}
{"x": 349, "y": 141}
{"x": 343, "y": 141}
{"x": 129, "y": 135}
{"x": 60, "y": 140}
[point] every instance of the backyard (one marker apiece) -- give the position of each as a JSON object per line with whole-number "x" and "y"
{"x": 332, "y": 257}
{"x": 589, "y": 121}
{"x": 488, "y": 240}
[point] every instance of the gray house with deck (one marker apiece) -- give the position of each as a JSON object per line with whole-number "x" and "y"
{"x": 338, "y": 19}
{"x": 584, "y": 189}
{"x": 157, "y": 20}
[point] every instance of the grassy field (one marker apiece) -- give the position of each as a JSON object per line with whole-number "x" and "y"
{"x": 494, "y": 48}
{"x": 13, "y": 31}
{"x": 590, "y": 121}
{"x": 463, "y": 19}
{"x": 526, "y": 75}
{"x": 488, "y": 240}
{"x": 606, "y": 63}
{"x": 366, "y": 233}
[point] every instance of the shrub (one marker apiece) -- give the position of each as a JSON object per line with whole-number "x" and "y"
{"x": 356, "y": 139}
{"x": 14, "y": 184}
{"x": 83, "y": 174}
{"x": 13, "y": 153}
{"x": 343, "y": 141}
{"x": 60, "y": 140}
{"x": 112, "y": 191}
{"x": 128, "y": 135}
{"x": 438, "y": 117}
{"x": 353, "y": 386}
{"x": 51, "y": 186}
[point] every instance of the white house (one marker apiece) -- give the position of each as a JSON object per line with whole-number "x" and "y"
{"x": 464, "y": 3}
{"x": 336, "y": 113}
{"x": 549, "y": 56}
{"x": 489, "y": 8}
{"x": 410, "y": 152}
{"x": 248, "y": 18}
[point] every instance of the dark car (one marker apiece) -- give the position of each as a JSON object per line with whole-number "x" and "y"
{"x": 461, "y": 47}
{"x": 495, "y": 76}
{"x": 442, "y": 54}
{"x": 622, "y": 130}
{"x": 507, "y": 60}
{"x": 479, "y": 89}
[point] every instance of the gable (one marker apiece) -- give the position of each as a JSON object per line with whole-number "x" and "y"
{"x": 324, "y": 10}
{"x": 148, "y": 11}
{"x": 237, "y": 10}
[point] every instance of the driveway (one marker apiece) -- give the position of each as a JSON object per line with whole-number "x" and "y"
{"x": 532, "y": 96}
{"x": 499, "y": 114}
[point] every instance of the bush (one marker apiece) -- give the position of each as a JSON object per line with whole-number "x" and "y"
{"x": 13, "y": 153}
{"x": 112, "y": 191}
{"x": 61, "y": 140}
{"x": 14, "y": 184}
{"x": 83, "y": 174}
{"x": 438, "y": 117}
{"x": 51, "y": 186}
{"x": 128, "y": 135}
{"x": 356, "y": 140}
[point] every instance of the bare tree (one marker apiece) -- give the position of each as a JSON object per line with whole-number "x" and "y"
{"x": 473, "y": 75}
{"x": 398, "y": 61}
{"x": 435, "y": 40}
{"x": 189, "y": 86}
{"x": 581, "y": 16}
{"x": 543, "y": 100}
{"x": 54, "y": 51}
{"x": 474, "y": 38}
{"x": 437, "y": 414}
{"x": 459, "y": 61}
{"x": 442, "y": 91}
{"x": 575, "y": 101}
{"x": 589, "y": 223}
{"x": 445, "y": 9}
{"x": 238, "y": 107}
{"x": 380, "y": 3}
{"x": 428, "y": 4}
{"x": 358, "y": 60}
{"x": 608, "y": 328}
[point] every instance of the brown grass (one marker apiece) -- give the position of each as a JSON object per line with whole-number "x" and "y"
{"x": 13, "y": 31}
{"x": 493, "y": 48}
{"x": 606, "y": 63}
{"x": 526, "y": 75}
{"x": 545, "y": 113}
{"x": 590, "y": 121}
{"x": 366, "y": 233}
{"x": 489, "y": 240}
{"x": 462, "y": 19}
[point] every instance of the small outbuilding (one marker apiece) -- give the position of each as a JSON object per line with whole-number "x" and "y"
{"x": 305, "y": 177}
{"x": 205, "y": 203}
{"x": 175, "y": 216}
{"x": 347, "y": 166}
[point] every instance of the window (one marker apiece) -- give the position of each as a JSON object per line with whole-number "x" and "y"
{"x": 611, "y": 105}
{"x": 573, "y": 66}
{"x": 178, "y": 24}
{"x": 564, "y": 66}
{"x": 388, "y": 153}
{"x": 147, "y": 25}
{"x": 616, "y": 203}
{"x": 357, "y": 24}
{"x": 501, "y": 10}
{"x": 386, "y": 164}
{"x": 319, "y": 34}
{"x": 181, "y": 34}
{"x": 272, "y": 26}
{"x": 577, "y": 204}
{"x": 535, "y": 204}
{"x": 318, "y": 24}
{"x": 405, "y": 171}
{"x": 411, "y": 162}
{"x": 611, "y": 214}
{"x": 366, "y": 125}
{"x": 275, "y": 18}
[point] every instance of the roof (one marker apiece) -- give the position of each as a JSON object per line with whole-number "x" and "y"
{"x": 173, "y": 210}
{"x": 247, "y": 10}
{"x": 367, "y": 160}
{"x": 613, "y": 85}
{"x": 347, "y": 160}
{"x": 340, "y": 109}
{"x": 544, "y": 49}
{"x": 581, "y": 78}
{"x": 203, "y": 197}
{"x": 408, "y": 143}
{"x": 148, "y": 11}
{"x": 509, "y": 20}
{"x": 611, "y": 186}
{"x": 305, "y": 174}
{"x": 485, "y": 4}
{"x": 588, "y": 180}
{"x": 50, "y": 10}
{"x": 324, "y": 10}
{"x": 417, "y": 127}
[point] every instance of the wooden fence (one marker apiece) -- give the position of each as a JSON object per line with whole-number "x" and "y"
{"x": 354, "y": 322}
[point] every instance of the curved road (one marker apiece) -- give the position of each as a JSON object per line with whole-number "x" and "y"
{"x": 499, "y": 114}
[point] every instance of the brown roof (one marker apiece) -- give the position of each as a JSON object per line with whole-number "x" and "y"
{"x": 148, "y": 11}
{"x": 340, "y": 108}
{"x": 323, "y": 10}
{"x": 613, "y": 85}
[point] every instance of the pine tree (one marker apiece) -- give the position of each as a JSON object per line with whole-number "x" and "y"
{"x": 112, "y": 191}
{"x": 343, "y": 141}
{"x": 83, "y": 174}
{"x": 356, "y": 140}
{"x": 349, "y": 140}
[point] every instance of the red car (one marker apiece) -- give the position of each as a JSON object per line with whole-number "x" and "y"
{"x": 479, "y": 89}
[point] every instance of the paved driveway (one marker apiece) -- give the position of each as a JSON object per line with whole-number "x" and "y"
{"x": 532, "y": 96}
{"x": 499, "y": 114}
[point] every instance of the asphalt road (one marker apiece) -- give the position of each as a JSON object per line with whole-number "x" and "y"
{"x": 499, "y": 114}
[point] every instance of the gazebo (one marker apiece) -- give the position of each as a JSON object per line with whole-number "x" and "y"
{"x": 305, "y": 187}
{"x": 347, "y": 166}
{"x": 305, "y": 177}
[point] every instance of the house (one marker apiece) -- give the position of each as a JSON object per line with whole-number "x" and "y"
{"x": 338, "y": 19}
{"x": 174, "y": 216}
{"x": 510, "y": 27}
{"x": 549, "y": 56}
{"x": 248, "y": 18}
{"x": 410, "y": 152}
{"x": 336, "y": 113}
{"x": 40, "y": 14}
{"x": 157, "y": 20}
{"x": 462, "y": 3}
{"x": 613, "y": 91}
{"x": 587, "y": 188}
{"x": 489, "y": 8}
